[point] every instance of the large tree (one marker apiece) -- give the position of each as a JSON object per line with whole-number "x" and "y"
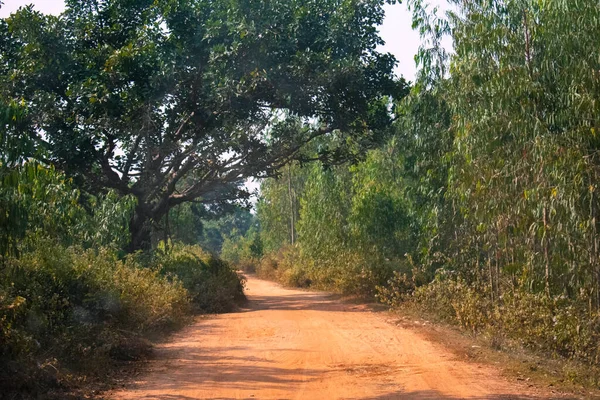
{"x": 181, "y": 100}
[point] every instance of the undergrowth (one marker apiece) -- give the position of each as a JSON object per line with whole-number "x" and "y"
{"x": 212, "y": 284}
{"x": 67, "y": 312}
{"x": 348, "y": 274}
{"x": 555, "y": 326}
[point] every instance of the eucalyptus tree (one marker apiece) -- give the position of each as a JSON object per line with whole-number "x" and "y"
{"x": 522, "y": 95}
{"x": 278, "y": 208}
{"x": 381, "y": 219}
{"x": 181, "y": 100}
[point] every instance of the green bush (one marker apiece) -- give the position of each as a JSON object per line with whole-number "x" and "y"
{"x": 212, "y": 283}
{"x": 268, "y": 267}
{"x": 357, "y": 274}
{"x": 350, "y": 273}
{"x": 78, "y": 306}
{"x": 555, "y": 324}
{"x": 455, "y": 300}
{"x": 285, "y": 267}
{"x": 398, "y": 289}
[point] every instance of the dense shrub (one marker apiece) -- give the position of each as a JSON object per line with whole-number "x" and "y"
{"x": 64, "y": 308}
{"x": 554, "y": 324}
{"x": 212, "y": 283}
{"x": 557, "y": 324}
{"x": 283, "y": 267}
{"x": 78, "y": 306}
{"x": 268, "y": 267}
{"x": 398, "y": 289}
{"x": 39, "y": 201}
{"x": 454, "y": 299}
{"x": 350, "y": 274}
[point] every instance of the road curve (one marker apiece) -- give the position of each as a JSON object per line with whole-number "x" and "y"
{"x": 291, "y": 344}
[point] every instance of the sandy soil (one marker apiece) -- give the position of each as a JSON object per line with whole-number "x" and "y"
{"x": 291, "y": 344}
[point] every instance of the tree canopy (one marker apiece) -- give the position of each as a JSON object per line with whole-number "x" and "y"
{"x": 179, "y": 101}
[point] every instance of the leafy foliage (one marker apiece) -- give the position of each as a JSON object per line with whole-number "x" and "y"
{"x": 353, "y": 224}
{"x": 212, "y": 284}
{"x": 179, "y": 101}
{"x": 38, "y": 201}
{"x": 482, "y": 207}
{"x": 70, "y": 298}
{"x": 77, "y": 307}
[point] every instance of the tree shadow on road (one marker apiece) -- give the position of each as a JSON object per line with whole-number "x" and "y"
{"x": 434, "y": 395}
{"x": 190, "y": 368}
{"x": 309, "y": 301}
{"x": 404, "y": 395}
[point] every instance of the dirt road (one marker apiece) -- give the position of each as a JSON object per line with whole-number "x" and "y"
{"x": 290, "y": 344}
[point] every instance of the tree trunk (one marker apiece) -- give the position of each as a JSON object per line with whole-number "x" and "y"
{"x": 491, "y": 275}
{"x": 292, "y": 210}
{"x": 546, "y": 256}
{"x": 167, "y": 233}
{"x": 140, "y": 230}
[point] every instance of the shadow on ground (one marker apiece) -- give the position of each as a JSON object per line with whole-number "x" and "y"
{"x": 190, "y": 366}
{"x": 416, "y": 395}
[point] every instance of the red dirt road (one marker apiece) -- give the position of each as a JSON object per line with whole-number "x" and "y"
{"x": 291, "y": 344}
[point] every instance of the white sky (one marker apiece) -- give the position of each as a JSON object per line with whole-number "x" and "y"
{"x": 396, "y": 30}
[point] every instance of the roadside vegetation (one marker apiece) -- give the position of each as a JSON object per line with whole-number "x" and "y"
{"x": 71, "y": 302}
{"x": 481, "y": 205}
{"x": 129, "y": 128}
{"x": 127, "y": 132}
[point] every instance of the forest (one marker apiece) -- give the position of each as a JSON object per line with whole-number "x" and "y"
{"x": 128, "y": 131}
